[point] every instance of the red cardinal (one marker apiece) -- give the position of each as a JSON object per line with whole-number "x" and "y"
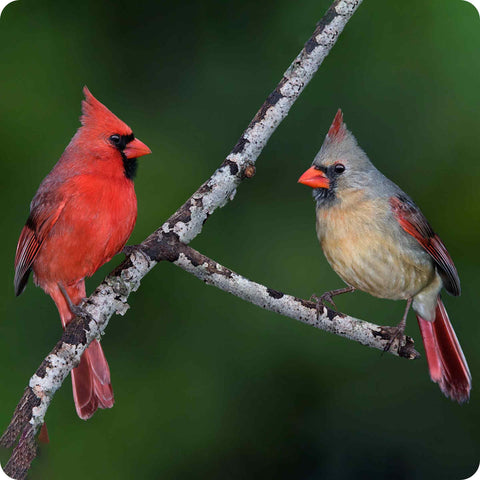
{"x": 378, "y": 241}
{"x": 81, "y": 216}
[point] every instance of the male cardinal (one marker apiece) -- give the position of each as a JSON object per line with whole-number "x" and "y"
{"x": 378, "y": 240}
{"x": 81, "y": 216}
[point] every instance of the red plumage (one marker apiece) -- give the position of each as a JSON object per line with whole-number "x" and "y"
{"x": 81, "y": 216}
{"x": 337, "y": 129}
{"x": 446, "y": 362}
{"x": 412, "y": 220}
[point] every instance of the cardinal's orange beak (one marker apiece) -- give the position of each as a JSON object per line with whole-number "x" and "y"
{"x": 135, "y": 149}
{"x": 314, "y": 178}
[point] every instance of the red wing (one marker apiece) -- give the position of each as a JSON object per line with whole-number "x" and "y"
{"x": 412, "y": 220}
{"x": 27, "y": 249}
{"x": 34, "y": 232}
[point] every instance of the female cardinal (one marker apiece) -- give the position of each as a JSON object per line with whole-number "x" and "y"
{"x": 378, "y": 241}
{"x": 81, "y": 216}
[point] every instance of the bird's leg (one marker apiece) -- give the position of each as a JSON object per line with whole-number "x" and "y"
{"x": 77, "y": 310}
{"x": 400, "y": 328}
{"x": 327, "y": 297}
{"x": 316, "y": 299}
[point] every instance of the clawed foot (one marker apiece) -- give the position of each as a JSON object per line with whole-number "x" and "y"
{"x": 78, "y": 309}
{"x": 396, "y": 332}
{"x": 129, "y": 249}
{"x": 399, "y": 330}
{"x": 318, "y": 304}
{"x": 327, "y": 297}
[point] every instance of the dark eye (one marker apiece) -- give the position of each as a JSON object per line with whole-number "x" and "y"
{"x": 339, "y": 168}
{"x": 115, "y": 139}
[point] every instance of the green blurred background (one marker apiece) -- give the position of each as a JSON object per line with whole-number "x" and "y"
{"x": 206, "y": 385}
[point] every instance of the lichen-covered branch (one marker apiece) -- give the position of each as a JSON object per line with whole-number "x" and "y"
{"x": 366, "y": 333}
{"x": 187, "y": 222}
{"x": 164, "y": 244}
{"x": 109, "y": 298}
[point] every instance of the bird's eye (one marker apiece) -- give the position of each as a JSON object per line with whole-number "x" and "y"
{"x": 115, "y": 139}
{"x": 339, "y": 168}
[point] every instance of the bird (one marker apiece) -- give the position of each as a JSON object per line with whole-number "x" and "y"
{"x": 378, "y": 241}
{"x": 80, "y": 217}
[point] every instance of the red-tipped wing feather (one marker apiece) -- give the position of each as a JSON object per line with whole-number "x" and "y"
{"x": 412, "y": 220}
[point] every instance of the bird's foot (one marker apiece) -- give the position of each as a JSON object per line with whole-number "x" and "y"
{"x": 395, "y": 332}
{"x": 130, "y": 249}
{"x": 327, "y": 297}
{"x": 321, "y": 304}
{"x": 78, "y": 309}
{"x": 399, "y": 330}
{"x": 318, "y": 304}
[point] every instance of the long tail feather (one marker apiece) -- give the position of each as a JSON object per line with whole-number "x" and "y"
{"x": 446, "y": 361}
{"x": 91, "y": 379}
{"x": 91, "y": 382}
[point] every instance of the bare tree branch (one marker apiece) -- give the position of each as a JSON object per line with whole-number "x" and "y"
{"x": 169, "y": 243}
{"x": 366, "y": 333}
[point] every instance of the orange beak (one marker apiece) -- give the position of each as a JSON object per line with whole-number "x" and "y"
{"x": 135, "y": 149}
{"x": 314, "y": 178}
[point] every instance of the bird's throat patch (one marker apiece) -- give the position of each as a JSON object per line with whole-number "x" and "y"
{"x": 324, "y": 196}
{"x": 130, "y": 166}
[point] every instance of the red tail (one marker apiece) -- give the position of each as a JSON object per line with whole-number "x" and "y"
{"x": 91, "y": 379}
{"x": 91, "y": 382}
{"x": 446, "y": 361}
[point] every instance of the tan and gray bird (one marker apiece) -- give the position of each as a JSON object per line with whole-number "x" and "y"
{"x": 378, "y": 241}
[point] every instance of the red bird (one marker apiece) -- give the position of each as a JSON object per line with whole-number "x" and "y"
{"x": 81, "y": 216}
{"x": 378, "y": 240}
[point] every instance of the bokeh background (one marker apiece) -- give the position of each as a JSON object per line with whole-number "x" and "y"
{"x": 208, "y": 386}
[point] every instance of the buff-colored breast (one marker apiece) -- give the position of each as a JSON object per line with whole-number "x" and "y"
{"x": 369, "y": 251}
